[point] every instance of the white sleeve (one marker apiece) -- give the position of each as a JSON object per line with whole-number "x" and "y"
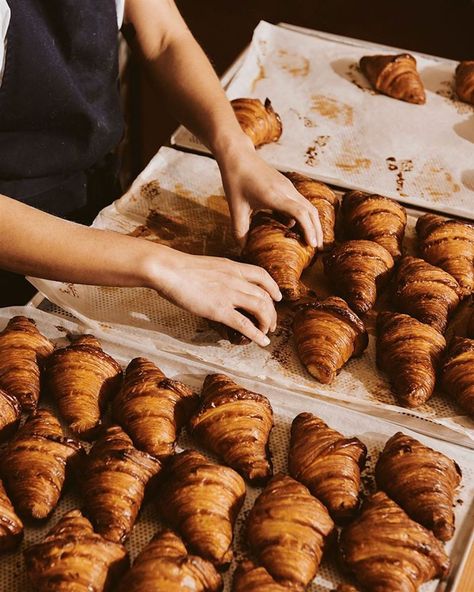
{"x": 5, "y": 15}
{"x": 120, "y": 11}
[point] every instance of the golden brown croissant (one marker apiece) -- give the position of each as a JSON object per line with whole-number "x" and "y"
{"x": 327, "y": 334}
{"x": 395, "y": 76}
{"x": 346, "y": 588}
{"x": 34, "y": 464}
{"x": 10, "y": 412}
{"x": 235, "y": 424}
{"x": 357, "y": 270}
{"x": 152, "y": 408}
{"x": 449, "y": 244}
{"x": 376, "y": 218}
{"x": 165, "y": 566}
{"x": 409, "y": 352}
{"x": 279, "y": 249}
{"x": 421, "y": 480}
{"x": 323, "y": 199}
{"x": 389, "y": 552}
{"x": 328, "y": 463}
{"x": 457, "y": 372}
{"x": 470, "y": 326}
{"x": 286, "y": 530}
{"x": 113, "y": 483}
{"x": 82, "y": 378}
{"x": 11, "y": 527}
{"x": 248, "y": 577}
{"x": 201, "y": 499}
{"x": 258, "y": 120}
{"x": 425, "y": 292}
{"x": 464, "y": 81}
{"x": 73, "y": 558}
{"x": 23, "y": 350}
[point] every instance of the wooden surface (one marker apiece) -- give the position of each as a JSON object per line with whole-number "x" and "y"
{"x": 466, "y": 583}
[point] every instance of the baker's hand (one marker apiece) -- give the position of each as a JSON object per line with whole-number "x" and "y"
{"x": 214, "y": 288}
{"x": 251, "y": 184}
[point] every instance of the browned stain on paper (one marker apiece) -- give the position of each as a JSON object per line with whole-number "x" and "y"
{"x": 351, "y": 164}
{"x": 317, "y": 147}
{"x": 401, "y": 168}
{"x": 354, "y": 75}
{"x": 296, "y": 65}
{"x": 69, "y": 289}
{"x": 260, "y": 76}
{"x": 150, "y": 190}
{"x": 306, "y": 120}
{"x": 333, "y": 109}
{"x": 448, "y": 93}
{"x": 436, "y": 182}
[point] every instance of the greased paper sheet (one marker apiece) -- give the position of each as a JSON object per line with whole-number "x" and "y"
{"x": 337, "y": 129}
{"x": 372, "y": 431}
{"x": 178, "y": 200}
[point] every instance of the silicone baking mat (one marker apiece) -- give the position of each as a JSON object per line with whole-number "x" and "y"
{"x": 178, "y": 200}
{"x": 373, "y": 432}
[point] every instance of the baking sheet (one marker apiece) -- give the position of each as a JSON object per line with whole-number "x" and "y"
{"x": 336, "y": 128}
{"x": 178, "y": 200}
{"x": 373, "y": 432}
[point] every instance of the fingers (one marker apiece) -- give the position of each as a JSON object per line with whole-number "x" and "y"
{"x": 308, "y": 219}
{"x": 240, "y": 225}
{"x": 261, "y": 308}
{"x": 314, "y": 214}
{"x": 239, "y": 322}
{"x": 260, "y": 277}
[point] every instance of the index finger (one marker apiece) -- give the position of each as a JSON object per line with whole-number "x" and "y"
{"x": 261, "y": 277}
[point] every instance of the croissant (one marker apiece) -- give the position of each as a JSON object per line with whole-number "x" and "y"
{"x": 286, "y": 530}
{"x": 457, "y": 372}
{"x": 258, "y": 120}
{"x": 201, "y": 500}
{"x": 426, "y": 292}
{"x": 34, "y": 463}
{"x": 327, "y": 334}
{"x": 449, "y": 244}
{"x": 346, "y": 588}
{"x": 279, "y": 249}
{"x": 82, "y": 378}
{"x": 152, "y": 408}
{"x": 389, "y": 552}
{"x": 376, "y": 218}
{"x": 235, "y": 424}
{"x": 327, "y": 463}
{"x": 395, "y": 76}
{"x": 248, "y": 577}
{"x": 358, "y": 269}
{"x": 10, "y": 412}
{"x": 409, "y": 352}
{"x": 421, "y": 480}
{"x": 470, "y": 326}
{"x": 113, "y": 483}
{"x": 11, "y": 527}
{"x": 73, "y": 558}
{"x": 464, "y": 81}
{"x": 23, "y": 350}
{"x": 323, "y": 199}
{"x": 165, "y": 566}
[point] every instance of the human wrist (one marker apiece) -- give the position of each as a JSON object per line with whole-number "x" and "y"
{"x": 157, "y": 269}
{"x": 229, "y": 146}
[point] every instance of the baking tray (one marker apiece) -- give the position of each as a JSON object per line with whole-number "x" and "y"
{"x": 395, "y": 151}
{"x": 372, "y": 431}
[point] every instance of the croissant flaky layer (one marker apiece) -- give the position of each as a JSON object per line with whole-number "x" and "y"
{"x": 324, "y": 200}
{"x": 113, "y": 483}
{"x": 23, "y": 351}
{"x": 10, "y": 412}
{"x": 395, "y": 76}
{"x": 164, "y": 565}
{"x": 249, "y": 577}
{"x": 201, "y": 500}
{"x": 235, "y": 424}
{"x": 375, "y": 218}
{"x": 409, "y": 352}
{"x": 470, "y": 326}
{"x": 279, "y": 249}
{"x": 258, "y": 120}
{"x": 11, "y": 527}
{"x": 464, "y": 81}
{"x": 73, "y": 558}
{"x": 425, "y": 292}
{"x": 82, "y": 378}
{"x": 389, "y": 552}
{"x": 287, "y": 529}
{"x": 422, "y": 481}
{"x": 449, "y": 244}
{"x": 328, "y": 463}
{"x": 327, "y": 334}
{"x": 152, "y": 408}
{"x": 457, "y": 373}
{"x": 357, "y": 269}
{"x": 34, "y": 465}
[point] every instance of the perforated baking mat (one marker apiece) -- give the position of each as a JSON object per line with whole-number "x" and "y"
{"x": 372, "y": 431}
{"x": 178, "y": 200}
{"x": 336, "y": 128}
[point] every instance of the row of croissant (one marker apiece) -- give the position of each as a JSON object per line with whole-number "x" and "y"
{"x": 287, "y": 528}
{"x": 425, "y": 291}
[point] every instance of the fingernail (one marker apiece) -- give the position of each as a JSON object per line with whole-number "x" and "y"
{"x": 265, "y": 341}
{"x": 279, "y": 296}
{"x": 313, "y": 242}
